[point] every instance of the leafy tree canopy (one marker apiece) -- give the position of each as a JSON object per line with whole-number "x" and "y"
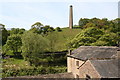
{"x": 16, "y": 31}
{"x": 14, "y": 43}
{"x": 93, "y": 36}
{"x": 33, "y": 46}
{"x": 4, "y": 32}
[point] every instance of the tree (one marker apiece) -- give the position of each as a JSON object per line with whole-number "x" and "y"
{"x": 40, "y": 29}
{"x": 53, "y": 38}
{"x": 58, "y": 29}
{"x": 14, "y": 43}
{"x": 83, "y": 22}
{"x": 47, "y": 29}
{"x": 4, "y": 50}
{"x": 86, "y": 37}
{"x": 37, "y": 25}
{"x": 34, "y": 45}
{"x": 89, "y": 25}
{"x": 114, "y": 26}
{"x": 4, "y": 34}
{"x": 110, "y": 38}
{"x": 36, "y": 28}
{"x": 16, "y": 31}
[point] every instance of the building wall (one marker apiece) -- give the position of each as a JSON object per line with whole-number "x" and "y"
{"x": 69, "y": 64}
{"x": 88, "y": 69}
{"x": 72, "y": 67}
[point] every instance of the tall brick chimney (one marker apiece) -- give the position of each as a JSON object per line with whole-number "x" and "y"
{"x": 71, "y": 17}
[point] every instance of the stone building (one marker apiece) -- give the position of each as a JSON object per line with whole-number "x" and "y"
{"x": 93, "y": 62}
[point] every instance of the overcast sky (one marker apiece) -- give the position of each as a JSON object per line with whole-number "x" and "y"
{"x": 22, "y": 14}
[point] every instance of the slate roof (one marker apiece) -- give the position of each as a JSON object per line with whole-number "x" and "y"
{"x": 107, "y": 68}
{"x": 94, "y": 52}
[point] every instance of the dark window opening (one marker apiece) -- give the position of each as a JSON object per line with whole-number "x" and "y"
{"x": 77, "y": 63}
{"x": 88, "y": 77}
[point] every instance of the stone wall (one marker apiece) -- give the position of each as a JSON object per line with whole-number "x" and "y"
{"x": 88, "y": 69}
{"x": 72, "y": 67}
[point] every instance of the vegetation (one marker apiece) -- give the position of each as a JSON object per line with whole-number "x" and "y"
{"x": 38, "y": 50}
{"x": 33, "y": 46}
{"x": 13, "y": 43}
{"x": 4, "y": 34}
{"x": 97, "y": 32}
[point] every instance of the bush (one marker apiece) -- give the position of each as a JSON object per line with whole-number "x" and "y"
{"x": 58, "y": 29}
{"x": 33, "y": 71}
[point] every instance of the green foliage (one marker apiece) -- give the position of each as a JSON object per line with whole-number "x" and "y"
{"x": 100, "y": 23}
{"x": 83, "y": 22}
{"x": 86, "y": 37}
{"x": 4, "y": 50}
{"x": 16, "y": 31}
{"x": 58, "y": 29}
{"x": 53, "y": 39}
{"x": 18, "y": 67}
{"x": 90, "y": 32}
{"x": 4, "y": 34}
{"x": 89, "y": 25}
{"x": 46, "y": 29}
{"x": 37, "y": 25}
{"x": 33, "y": 71}
{"x": 97, "y": 32}
{"x": 94, "y": 37}
{"x": 41, "y": 29}
{"x": 33, "y": 46}
{"x": 100, "y": 43}
{"x": 114, "y": 26}
{"x": 13, "y": 43}
{"x": 110, "y": 38}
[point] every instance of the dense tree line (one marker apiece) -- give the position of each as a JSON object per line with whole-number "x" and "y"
{"x": 97, "y": 32}
{"x": 30, "y": 44}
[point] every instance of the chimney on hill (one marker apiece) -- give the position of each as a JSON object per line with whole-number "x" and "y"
{"x": 71, "y": 17}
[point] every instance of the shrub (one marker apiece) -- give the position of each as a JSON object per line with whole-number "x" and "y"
{"x": 58, "y": 29}
{"x": 33, "y": 71}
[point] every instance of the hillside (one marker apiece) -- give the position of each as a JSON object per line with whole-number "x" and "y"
{"x": 65, "y": 36}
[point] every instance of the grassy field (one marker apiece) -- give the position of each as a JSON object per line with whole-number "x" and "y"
{"x": 15, "y": 63}
{"x": 64, "y": 36}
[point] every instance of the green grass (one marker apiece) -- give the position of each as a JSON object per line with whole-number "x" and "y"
{"x": 64, "y": 36}
{"x": 15, "y": 63}
{"x": 19, "y": 67}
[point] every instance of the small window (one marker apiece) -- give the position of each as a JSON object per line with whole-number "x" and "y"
{"x": 88, "y": 77}
{"x": 77, "y": 63}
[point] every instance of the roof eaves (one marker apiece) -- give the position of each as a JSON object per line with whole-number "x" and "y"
{"x": 76, "y": 58}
